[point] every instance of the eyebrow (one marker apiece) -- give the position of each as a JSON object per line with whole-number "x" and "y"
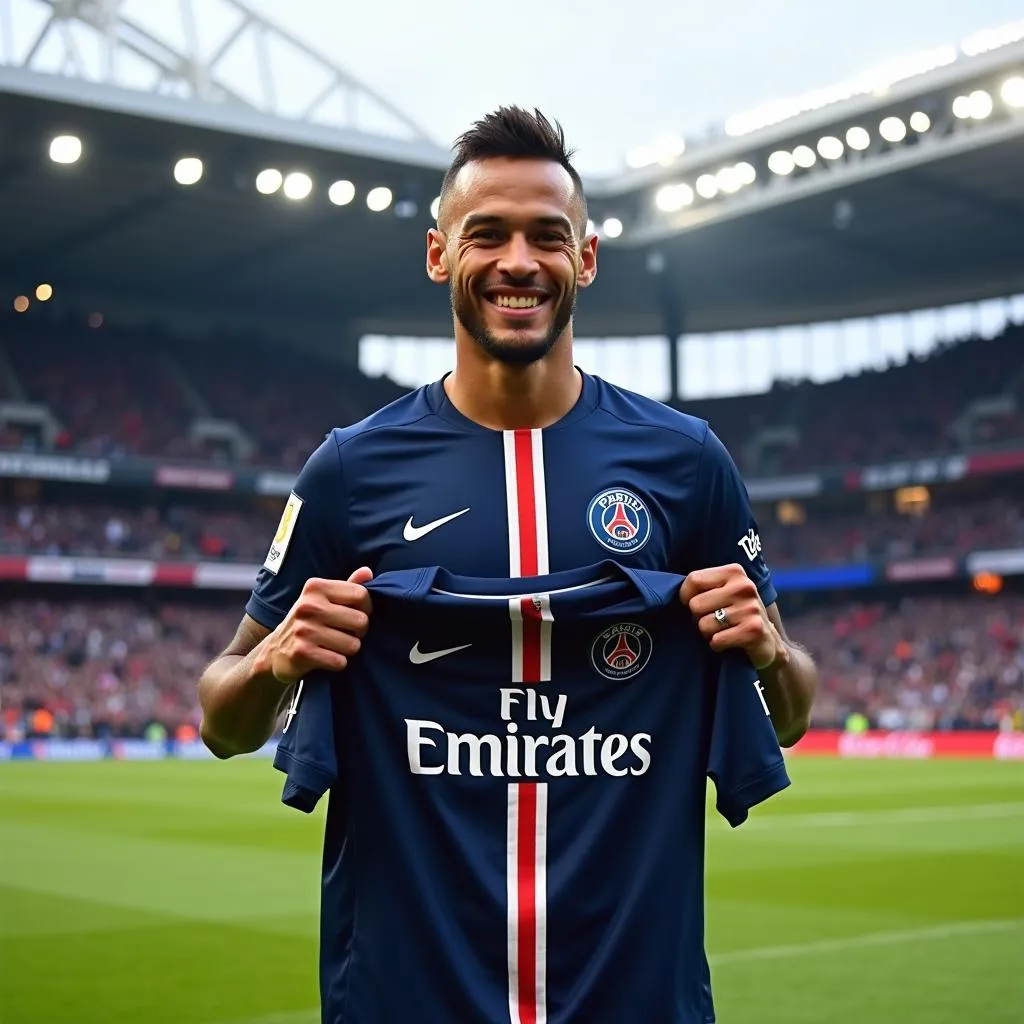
{"x": 478, "y": 220}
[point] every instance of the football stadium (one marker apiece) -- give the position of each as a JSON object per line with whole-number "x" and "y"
{"x": 197, "y": 285}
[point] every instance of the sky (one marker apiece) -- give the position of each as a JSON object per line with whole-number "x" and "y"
{"x": 617, "y": 75}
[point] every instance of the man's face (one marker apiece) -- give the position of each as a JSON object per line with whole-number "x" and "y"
{"x": 512, "y": 254}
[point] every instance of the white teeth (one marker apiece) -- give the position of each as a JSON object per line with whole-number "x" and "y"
{"x": 517, "y": 301}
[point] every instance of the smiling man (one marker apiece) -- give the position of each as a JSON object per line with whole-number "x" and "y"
{"x": 517, "y": 465}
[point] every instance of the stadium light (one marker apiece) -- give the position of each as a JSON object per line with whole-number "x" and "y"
{"x": 44, "y": 292}
{"x": 671, "y": 198}
{"x": 979, "y": 105}
{"x": 341, "y": 193}
{"x": 781, "y": 162}
{"x": 591, "y": 227}
{"x": 378, "y": 199}
{"x": 1012, "y": 92}
{"x": 920, "y": 122}
{"x": 612, "y": 227}
{"x": 269, "y": 181}
{"x": 728, "y": 180}
{"x": 892, "y": 129}
{"x": 830, "y": 148}
{"x": 65, "y": 149}
{"x": 297, "y": 186}
{"x": 435, "y": 209}
{"x": 20, "y": 303}
{"x": 804, "y": 156}
{"x": 707, "y": 186}
{"x": 746, "y": 173}
{"x": 858, "y": 138}
{"x": 188, "y": 170}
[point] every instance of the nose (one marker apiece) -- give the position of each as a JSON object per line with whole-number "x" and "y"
{"x": 517, "y": 258}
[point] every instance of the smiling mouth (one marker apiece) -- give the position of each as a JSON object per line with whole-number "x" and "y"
{"x": 516, "y": 305}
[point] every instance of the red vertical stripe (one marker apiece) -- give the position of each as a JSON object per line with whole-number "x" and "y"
{"x": 531, "y": 640}
{"x": 527, "y": 501}
{"x": 527, "y": 902}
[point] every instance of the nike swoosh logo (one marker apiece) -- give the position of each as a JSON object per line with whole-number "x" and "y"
{"x": 415, "y": 532}
{"x": 418, "y": 657}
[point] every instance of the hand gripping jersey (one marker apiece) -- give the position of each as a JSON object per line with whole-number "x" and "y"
{"x": 516, "y": 825}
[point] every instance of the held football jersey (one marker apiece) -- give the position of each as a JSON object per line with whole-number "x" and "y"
{"x": 517, "y": 771}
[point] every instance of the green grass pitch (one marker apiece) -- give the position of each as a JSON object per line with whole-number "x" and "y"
{"x": 184, "y": 893}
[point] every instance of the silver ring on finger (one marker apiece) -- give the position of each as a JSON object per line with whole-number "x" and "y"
{"x": 722, "y": 617}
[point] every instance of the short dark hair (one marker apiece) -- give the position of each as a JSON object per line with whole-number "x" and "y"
{"x": 514, "y": 133}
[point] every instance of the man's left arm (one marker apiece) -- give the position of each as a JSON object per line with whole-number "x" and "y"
{"x": 735, "y": 583}
{"x": 789, "y": 677}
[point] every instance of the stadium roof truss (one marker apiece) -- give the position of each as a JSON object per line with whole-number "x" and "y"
{"x": 225, "y": 52}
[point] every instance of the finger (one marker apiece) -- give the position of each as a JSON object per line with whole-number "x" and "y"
{"x": 343, "y": 618}
{"x": 701, "y": 580}
{"x": 361, "y": 575}
{"x": 706, "y": 603}
{"x": 311, "y": 641}
{"x": 342, "y": 593}
{"x": 742, "y": 635}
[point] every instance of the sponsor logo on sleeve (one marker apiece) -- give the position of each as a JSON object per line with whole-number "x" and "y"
{"x": 751, "y": 544}
{"x": 283, "y": 537}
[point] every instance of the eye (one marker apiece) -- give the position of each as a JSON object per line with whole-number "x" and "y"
{"x": 551, "y": 238}
{"x": 485, "y": 235}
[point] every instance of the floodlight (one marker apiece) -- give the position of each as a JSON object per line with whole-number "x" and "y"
{"x": 435, "y": 209}
{"x": 830, "y": 148}
{"x": 188, "y": 170}
{"x": 379, "y": 198}
{"x": 297, "y": 186}
{"x": 341, "y": 193}
{"x": 1012, "y": 92}
{"x": 269, "y": 181}
{"x": 920, "y": 121}
{"x": 858, "y": 138}
{"x": 671, "y": 198}
{"x": 979, "y": 105}
{"x": 44, "y": 292}
{"x": 707, "y": 186}
{"x": 745, "y": 173}
{"x": 892, "y": 129}
{"x": 804, "y": 156}
{"x": 65, "y": 149}
{"x": 612, "y": 227}
{"x": 781, "y": 162}
{"x": 20, "y": 303}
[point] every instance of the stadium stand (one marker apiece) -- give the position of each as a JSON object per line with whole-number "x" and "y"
{"x": 113, "y": 667}
{"x": 122, "y": 392}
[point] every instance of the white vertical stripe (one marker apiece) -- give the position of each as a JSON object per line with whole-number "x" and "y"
{"x": 512, "y": 891}
{"x": 515, "y": 614}
{"x": 540, "y": 500}
{"x": 547, "y": 617}
{"x": 541, "y": 902}
{"x": 512, "y": 501}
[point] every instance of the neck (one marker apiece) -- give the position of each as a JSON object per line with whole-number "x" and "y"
{"x": 502, "y": 397}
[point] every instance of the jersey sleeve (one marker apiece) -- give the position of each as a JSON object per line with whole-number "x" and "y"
{"x": 730, "y": 532}
{"x": 311, "y": 540}
{"x": 745, "y": 760}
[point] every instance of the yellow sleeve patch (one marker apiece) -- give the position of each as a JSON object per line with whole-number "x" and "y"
{"x": 279, "y": 546}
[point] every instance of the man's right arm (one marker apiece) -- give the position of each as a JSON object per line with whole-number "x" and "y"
{"x": 303, "y": 614}
{"x": 243, "y": 691}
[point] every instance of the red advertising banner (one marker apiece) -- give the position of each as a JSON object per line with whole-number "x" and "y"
{"x": 1004, "y": 746}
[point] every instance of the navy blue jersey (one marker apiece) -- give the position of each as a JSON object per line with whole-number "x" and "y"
{"x": 417, "y": 483}
{"x": 516, "y": 824}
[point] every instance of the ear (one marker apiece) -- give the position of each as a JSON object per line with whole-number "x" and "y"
{"x": 437, "y": 256}
{"x": 587, "y": 262}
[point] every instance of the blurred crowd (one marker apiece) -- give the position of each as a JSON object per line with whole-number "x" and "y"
{"x": 190, "y": 532}
{"x": 921, "y": 663}
{"x": 949, "y": 529}
{"x": 179, "y": 532}
{"x": 114, "y": 668}
{"x": 124, "y": 393}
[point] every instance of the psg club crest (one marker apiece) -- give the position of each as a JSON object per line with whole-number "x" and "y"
{"x": 619, "y": 521}
{"x": 621, "y": 651}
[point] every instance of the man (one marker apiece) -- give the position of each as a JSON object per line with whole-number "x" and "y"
{"x": 516, "y": 464}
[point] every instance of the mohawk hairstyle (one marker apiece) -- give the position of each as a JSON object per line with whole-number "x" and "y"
{"x": 517, "y": 134}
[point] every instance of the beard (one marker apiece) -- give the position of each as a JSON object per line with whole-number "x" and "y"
{"x": 512, "y": 350}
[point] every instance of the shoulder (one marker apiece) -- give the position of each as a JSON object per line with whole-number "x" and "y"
{"x": 404, "y": 412}
{"x": 635, "y": 410}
